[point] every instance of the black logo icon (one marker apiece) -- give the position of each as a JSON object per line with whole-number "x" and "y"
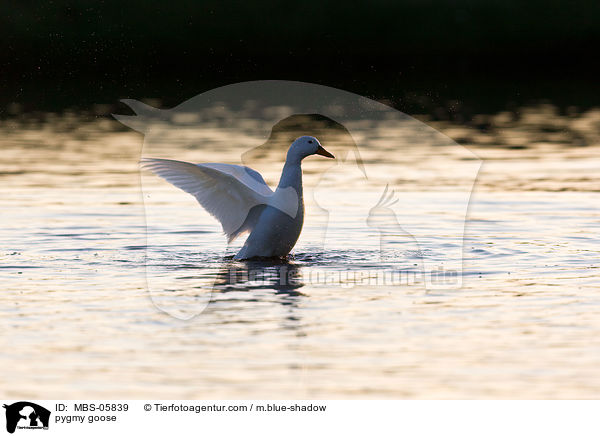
{"x": 26, "y": 415}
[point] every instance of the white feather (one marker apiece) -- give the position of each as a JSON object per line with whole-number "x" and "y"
{"x": 227, "y": 192}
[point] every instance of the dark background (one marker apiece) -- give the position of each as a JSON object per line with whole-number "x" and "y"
{"x": 445, "y": 57}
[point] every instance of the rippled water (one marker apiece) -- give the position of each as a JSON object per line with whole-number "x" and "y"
{"x": 78, "y": 318}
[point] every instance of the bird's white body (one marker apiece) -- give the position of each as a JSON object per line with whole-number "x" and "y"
{"x": 241, "y": 200}
{"x": 276, "y": 232}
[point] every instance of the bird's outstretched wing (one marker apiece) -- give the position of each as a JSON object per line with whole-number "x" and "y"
{"x": 227, "y": 192}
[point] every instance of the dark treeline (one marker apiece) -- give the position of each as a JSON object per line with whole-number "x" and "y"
{"x": 416, "y": 54}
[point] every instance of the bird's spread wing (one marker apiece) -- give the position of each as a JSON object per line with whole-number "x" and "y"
{"x": 246, "y": 175}
{"x": 227, "y": 192}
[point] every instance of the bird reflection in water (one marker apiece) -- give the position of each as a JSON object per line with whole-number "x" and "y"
{"x": 279, "y": 279}
{"x": 281, "y": 276}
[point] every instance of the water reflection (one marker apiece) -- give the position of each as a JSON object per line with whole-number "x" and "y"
{"x": 282, "y": 276}
{"x": 260, "y": 281}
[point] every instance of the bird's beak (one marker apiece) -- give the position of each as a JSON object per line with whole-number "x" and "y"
{"x": 324, "y": 152}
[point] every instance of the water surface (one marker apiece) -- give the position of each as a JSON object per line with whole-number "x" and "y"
{"x": 78, "y": 320}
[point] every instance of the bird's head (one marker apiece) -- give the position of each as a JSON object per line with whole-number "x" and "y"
{"x": 306, "y": 146}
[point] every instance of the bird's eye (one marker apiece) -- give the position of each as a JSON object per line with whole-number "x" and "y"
{"x": 310, "y": 141}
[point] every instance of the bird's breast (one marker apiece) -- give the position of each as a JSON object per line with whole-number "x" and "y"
{"x": 288, "y": 200}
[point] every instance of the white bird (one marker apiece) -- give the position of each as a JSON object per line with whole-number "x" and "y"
{"x": 241, "y": 200}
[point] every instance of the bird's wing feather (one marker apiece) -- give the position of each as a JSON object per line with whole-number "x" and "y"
{"x": 246, "y": 175}
{"x": 227, "y": 192}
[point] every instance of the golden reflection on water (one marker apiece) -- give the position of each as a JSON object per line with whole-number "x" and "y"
{"x": 78, "y": 322}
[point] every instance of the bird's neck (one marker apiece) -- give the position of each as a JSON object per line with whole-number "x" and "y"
{"x": 291, "y": 176}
